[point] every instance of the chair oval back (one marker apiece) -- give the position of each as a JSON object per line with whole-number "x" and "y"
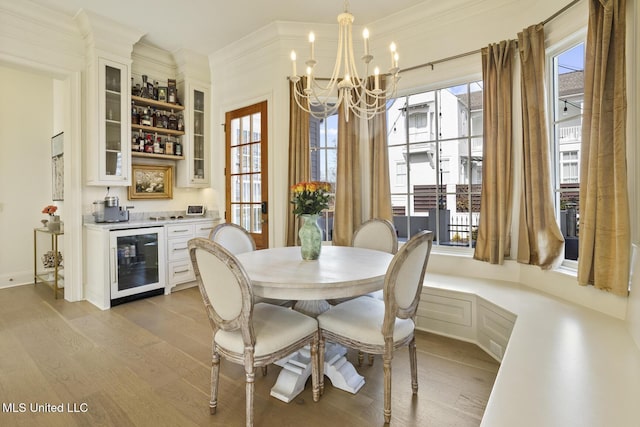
{"x": 233, "y": 237}
{"x": 223, "y": 283}
{"x": 378, "y": 234}
{"x": 405, "y": 276}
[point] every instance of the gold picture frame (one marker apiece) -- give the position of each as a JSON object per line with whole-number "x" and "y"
{"x": 151, "y": 182}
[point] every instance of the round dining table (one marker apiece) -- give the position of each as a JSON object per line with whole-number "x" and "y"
{"x": 339, "y": 272}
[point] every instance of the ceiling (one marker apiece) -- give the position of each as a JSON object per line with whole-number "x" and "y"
{"x": 205, "y": 26}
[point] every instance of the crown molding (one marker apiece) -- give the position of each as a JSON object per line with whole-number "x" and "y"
{"x": 105, "y": 34}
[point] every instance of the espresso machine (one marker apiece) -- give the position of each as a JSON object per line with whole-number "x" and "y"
{"x": 109, "y": 210}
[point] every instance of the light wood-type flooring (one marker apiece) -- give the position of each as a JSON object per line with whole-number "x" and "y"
{"x": 147, "y": 363}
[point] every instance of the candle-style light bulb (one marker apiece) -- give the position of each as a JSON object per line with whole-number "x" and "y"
{"x": 365, "y": 35}
{"x": 392, "y": 48}
{"x": 376, "y": 72}
{"x": 312, "y": 39}
{"x": 308, "y": 77}
{"x": 293, "y": 60}
{"x": 395, "y": 60}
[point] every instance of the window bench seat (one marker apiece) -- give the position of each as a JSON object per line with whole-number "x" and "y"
{"x": 561, "y": 364}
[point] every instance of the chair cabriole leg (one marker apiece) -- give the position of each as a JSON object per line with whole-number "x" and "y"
{"x": 414, "y": 366}
{"x": 215, "y": 369}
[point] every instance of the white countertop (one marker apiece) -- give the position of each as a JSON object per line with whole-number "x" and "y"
{"x": 146, "y": 221}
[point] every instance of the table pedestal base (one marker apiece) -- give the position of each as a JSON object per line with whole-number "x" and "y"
{"x": 296, "y": 369}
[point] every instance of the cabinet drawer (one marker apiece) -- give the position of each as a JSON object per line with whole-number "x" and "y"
{"x": 181, "y": 272}
{"x": 178, "y": 231}
{"x": 177, "y": 249}
{"x": 204, "y": 229}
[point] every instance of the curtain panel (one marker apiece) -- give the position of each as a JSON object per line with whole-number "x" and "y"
{"x": 604, "y": 206}
{"x": 494, "y": 230}
{"x": 379, "y": 160}
{"x": 348, "y": 198}
{"x": 299, "y": 155}
{"x": 540, "y": 240}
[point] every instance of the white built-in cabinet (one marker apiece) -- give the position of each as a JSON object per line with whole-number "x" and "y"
{"x": 194, "y": 171}
{"x": 179, "y": 268}
{"x": 108, "y": 142}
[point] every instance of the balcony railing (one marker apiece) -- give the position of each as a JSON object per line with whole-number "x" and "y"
{"x": 570, "y": 134}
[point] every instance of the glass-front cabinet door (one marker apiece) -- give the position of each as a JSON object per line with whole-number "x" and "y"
{"x": 113, "y": 124}
{"x": 194, "y": 170}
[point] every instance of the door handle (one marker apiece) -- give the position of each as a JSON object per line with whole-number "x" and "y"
{"x": 263, "y": 207}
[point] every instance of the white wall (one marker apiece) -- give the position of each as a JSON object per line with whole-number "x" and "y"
{"x": 26, "y": 128}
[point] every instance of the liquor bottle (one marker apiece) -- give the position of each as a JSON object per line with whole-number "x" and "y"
{"x": 144, "y": 91}
{"x": 180, "y": 123}
{"x": 141, "y": 141}
{"x": 168, "y": 146}
{"x": 161, "y": 145}
{"x": 152, "y": 116}
{"x": 155, "y": 90}
{"x": 148, "y": 145}
{"x": 159, "y": 123}
{"x": 165, "y": 120}
{"x": 135, "y": 118}
{"x": 145, "y": 120}
{"x": 156, "y": 144}
{"x": 173, "y": 121}
{"x": 177, "y": 148}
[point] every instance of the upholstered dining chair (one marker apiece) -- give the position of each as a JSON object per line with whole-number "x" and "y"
{"x": 233, "y": 237}
{"x": 380, "y": 327}
{"x": 237, "y": 240}
{"x": 245, "y": 333}
{"x": 378, "y": 234}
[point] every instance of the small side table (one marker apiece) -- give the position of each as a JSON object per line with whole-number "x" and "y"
{"x": 53, "y": 277}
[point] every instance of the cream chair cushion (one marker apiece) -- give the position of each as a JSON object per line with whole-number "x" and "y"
{"x": 234, "y": 239}
{"x": 274, "y": 326}
{"x": 360, "y": 319}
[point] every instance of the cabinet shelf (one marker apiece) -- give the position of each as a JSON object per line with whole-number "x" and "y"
{"x": 156, "y": 156}
{"x": 146, "y": 102}
{"x": 162, "y": 131}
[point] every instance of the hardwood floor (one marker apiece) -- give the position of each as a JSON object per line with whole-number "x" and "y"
{"x": 147, "y": 363}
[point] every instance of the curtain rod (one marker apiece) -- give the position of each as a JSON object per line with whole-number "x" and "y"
{"x": 473, "y": 52}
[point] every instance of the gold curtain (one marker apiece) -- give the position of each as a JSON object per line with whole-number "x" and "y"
{"x": 494, "y": 230}
{"x": 540, "y": 240}
{"x": 348, "y": 203}
{"x": 379, "y": 161}
{"x": 299, "y": 158}
{"x": 604, "y": 205}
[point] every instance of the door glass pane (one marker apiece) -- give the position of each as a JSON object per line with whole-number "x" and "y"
{"x": 256, "y": 166}
{"x": 235, "y": 132}
{"x": 245, "y": 130}
{"x": 246, "y": 157}
{"x": 257, "y": 219}
{"x": 256, "y": 187}
{"x": 235, "y": 160}
{"x": 235, "y": 189}
{"x": 255, "y": 128}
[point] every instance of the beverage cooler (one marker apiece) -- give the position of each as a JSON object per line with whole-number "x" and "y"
{"x": 137, "y": 269}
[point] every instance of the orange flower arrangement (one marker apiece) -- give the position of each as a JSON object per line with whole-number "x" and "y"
{"x": 310, "y": 198}
{"x": 50, "y": 209}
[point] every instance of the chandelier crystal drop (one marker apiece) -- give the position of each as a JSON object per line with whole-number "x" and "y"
{"x": 363, "y": 96}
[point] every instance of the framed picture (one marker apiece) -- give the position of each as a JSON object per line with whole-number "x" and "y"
{"x": 162, "y": 93}
{"x": 151, "y": 182}
{"x": 57, "y": 167}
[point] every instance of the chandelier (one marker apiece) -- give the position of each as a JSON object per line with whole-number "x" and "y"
{"x": 362, "y": 96}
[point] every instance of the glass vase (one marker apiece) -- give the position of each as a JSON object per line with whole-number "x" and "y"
{"x": 310, "y": 237}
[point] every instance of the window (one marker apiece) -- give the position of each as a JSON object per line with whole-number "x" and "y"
{"x": 435, "y": 158}
{"x": 323, "y": 142}
{"x": 567, "y": 83}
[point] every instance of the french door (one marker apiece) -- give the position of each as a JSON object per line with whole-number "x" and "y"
{"x": 246, "y": 171}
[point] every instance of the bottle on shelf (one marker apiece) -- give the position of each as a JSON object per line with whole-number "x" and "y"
{"x": 155, "y": 90}
{"x": 165, "y": 120}
{"x": 156, "y": 144}
{"x": 135, "y": 118}
{"x": 173, "y": 121}
{"x": 180, "y": 123}
{"x": 177, "y": 148}
{"x": 152, "y": 116}
{"x": 141, "y": 142}
{"x": 144, "y": 91}
{"x": 168, "y": 146}
{"x": 159, "y": 123}
{"x": 148, "y": 145}
{"x": 145, "y": 119}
